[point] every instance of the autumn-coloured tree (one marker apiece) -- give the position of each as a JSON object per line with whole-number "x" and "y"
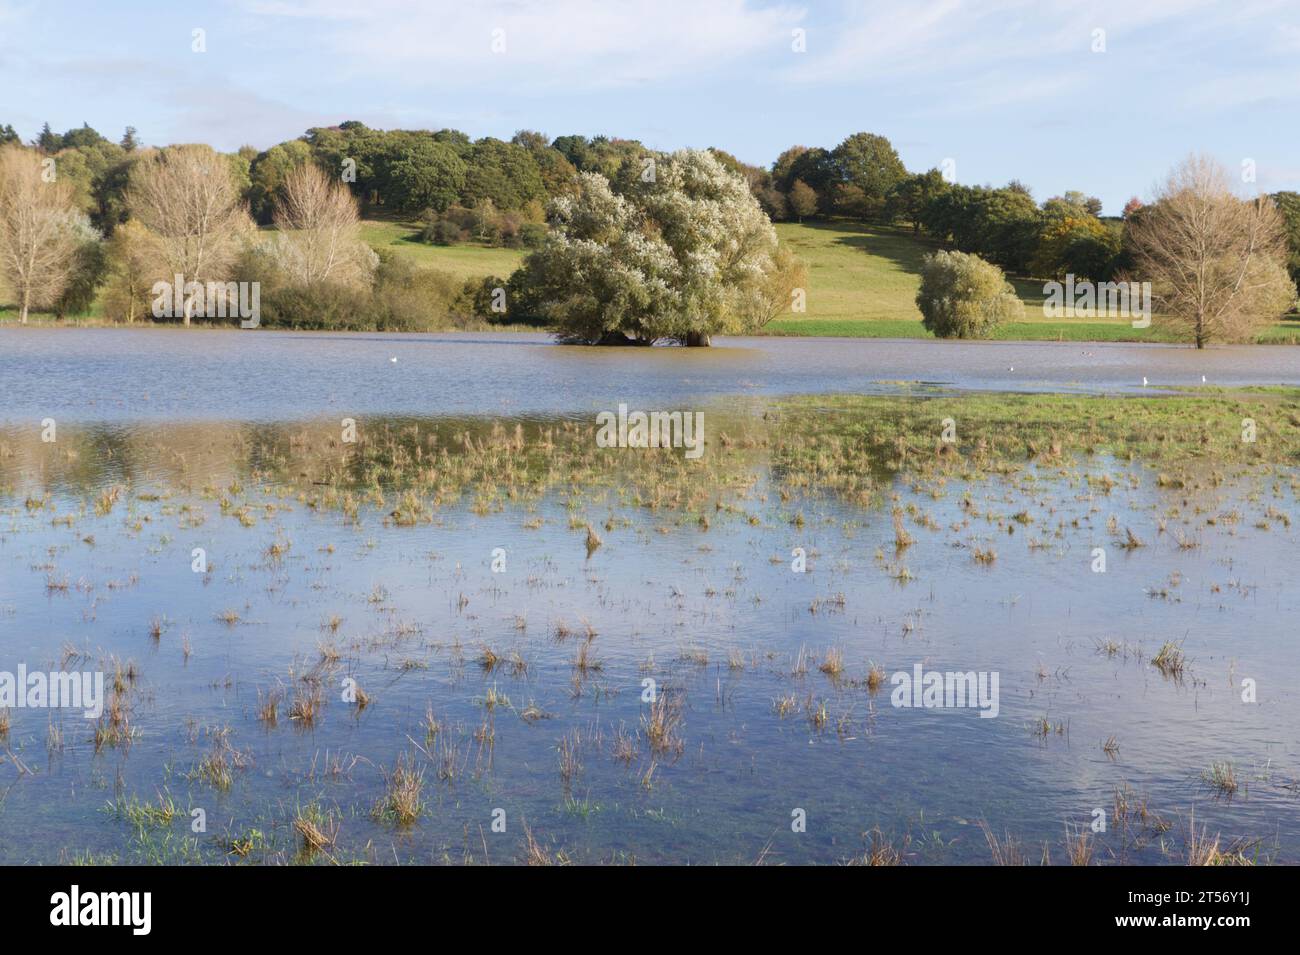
{"x": 130, "y": 272}
{"x": 1216, "y": 262}
{"x": 320, "y": 231}
{"x": 785, "y": 286}
{"x": 803, "y": 199}
{"x": 187, "y": 198}
{"x": 40, "y": 230}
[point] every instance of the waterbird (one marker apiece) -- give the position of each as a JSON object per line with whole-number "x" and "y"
{"x": 1144, "y": 381}
{"x": 393, "y": 359}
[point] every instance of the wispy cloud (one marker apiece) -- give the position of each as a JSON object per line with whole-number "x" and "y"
{"x": 539, "y": 46}
{"x": 1008, "y": 88}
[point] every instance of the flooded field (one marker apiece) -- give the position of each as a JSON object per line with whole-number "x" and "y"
{"x": 167, "y": 374}
{"x": 343, "y": 623}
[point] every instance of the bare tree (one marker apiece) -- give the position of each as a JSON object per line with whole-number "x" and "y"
{"x": 39, "y": 230}
{"x": 320, "y": 230}
{"x": 187, "y": 198}
{"x": 1216, "y": 262}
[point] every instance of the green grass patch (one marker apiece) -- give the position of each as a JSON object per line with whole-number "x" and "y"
{"x": 838, "y": 436}
{"x": 863, "y": 279}
{"x": 467, "y": 260}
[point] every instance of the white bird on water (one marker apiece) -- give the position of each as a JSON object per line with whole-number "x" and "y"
{"x": 1144, "y": 381}
{"x": 393, "y": 359}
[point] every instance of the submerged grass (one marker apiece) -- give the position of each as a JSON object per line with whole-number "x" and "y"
{"x": 861, "y": 448}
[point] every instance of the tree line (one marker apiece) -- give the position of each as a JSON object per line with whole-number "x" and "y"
{"x": 81, "y": 215}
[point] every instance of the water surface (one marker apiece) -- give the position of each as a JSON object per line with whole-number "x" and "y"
{"x": 112, "y": 374}
{"x": 171, "y": 441}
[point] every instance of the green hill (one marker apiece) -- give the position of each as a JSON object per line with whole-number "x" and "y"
{"x": 862, "y": 283}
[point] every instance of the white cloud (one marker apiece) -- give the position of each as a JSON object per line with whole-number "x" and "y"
{"x": 1012, "y": 50}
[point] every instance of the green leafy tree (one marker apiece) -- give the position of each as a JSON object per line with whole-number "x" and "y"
{"x": 268, "y": 172}
{"x": 559, "y": 176}
{"x": 1001, "y": 225}
{"x": 89, "y": 263}
{"x": 813, "y": 167}
{"x": 420, "y": 173}
{"x": 911, "y": 195}
{"x": 866, "y": 167}
{"x": 1288, "y": 204}
{"x": 352, "y": 147}
{"x": 48, "y": 141}
{"x": 505, "y": 173}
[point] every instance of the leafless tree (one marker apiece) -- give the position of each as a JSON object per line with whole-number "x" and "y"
{"x": 1216, "y": 261}
{"x": 187, "y": 198}
{"x": 320, "y": 238}
{"x": 39, "y": 230}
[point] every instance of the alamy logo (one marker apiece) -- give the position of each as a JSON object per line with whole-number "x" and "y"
{"x": 934, "y": 689}
{"x": 84, "y": 691}
{"x": 655, "y": 429}
{"x": 1071, "y": 299}
{"x": 103, "y": 908}
{"x": 209, "y": 300}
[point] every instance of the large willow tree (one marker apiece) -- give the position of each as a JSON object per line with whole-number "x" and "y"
{"x": 679, "y": 251}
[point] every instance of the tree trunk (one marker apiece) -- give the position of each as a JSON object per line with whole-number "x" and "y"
{"x": 27, "y": 295}
{"x": 697, "y": 340}
{"x": 617, "y": 338}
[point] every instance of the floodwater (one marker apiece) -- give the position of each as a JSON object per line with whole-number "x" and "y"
{"x": 170, "y": 441}
{"x": 160, "y": 374}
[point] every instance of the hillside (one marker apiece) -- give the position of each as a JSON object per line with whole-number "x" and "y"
{"x": 862, "y": 283}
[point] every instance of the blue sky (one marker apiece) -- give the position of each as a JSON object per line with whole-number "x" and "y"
{"x": 1005, "y": 88}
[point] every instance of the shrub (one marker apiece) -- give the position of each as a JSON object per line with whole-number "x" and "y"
{"x": 404, "y": 298}
{"x": 479, "y": 295}
{"x": 962, "y": 296}
{"x": 532, "y": 235}
{"x": 441, "y": 232}
{"x": 412, "y": 299}
{"x": 324, "y": 306}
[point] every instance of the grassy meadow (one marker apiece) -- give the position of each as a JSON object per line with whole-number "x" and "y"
{"x": 862, "y": 284}
{"x": 469, "y": 260}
